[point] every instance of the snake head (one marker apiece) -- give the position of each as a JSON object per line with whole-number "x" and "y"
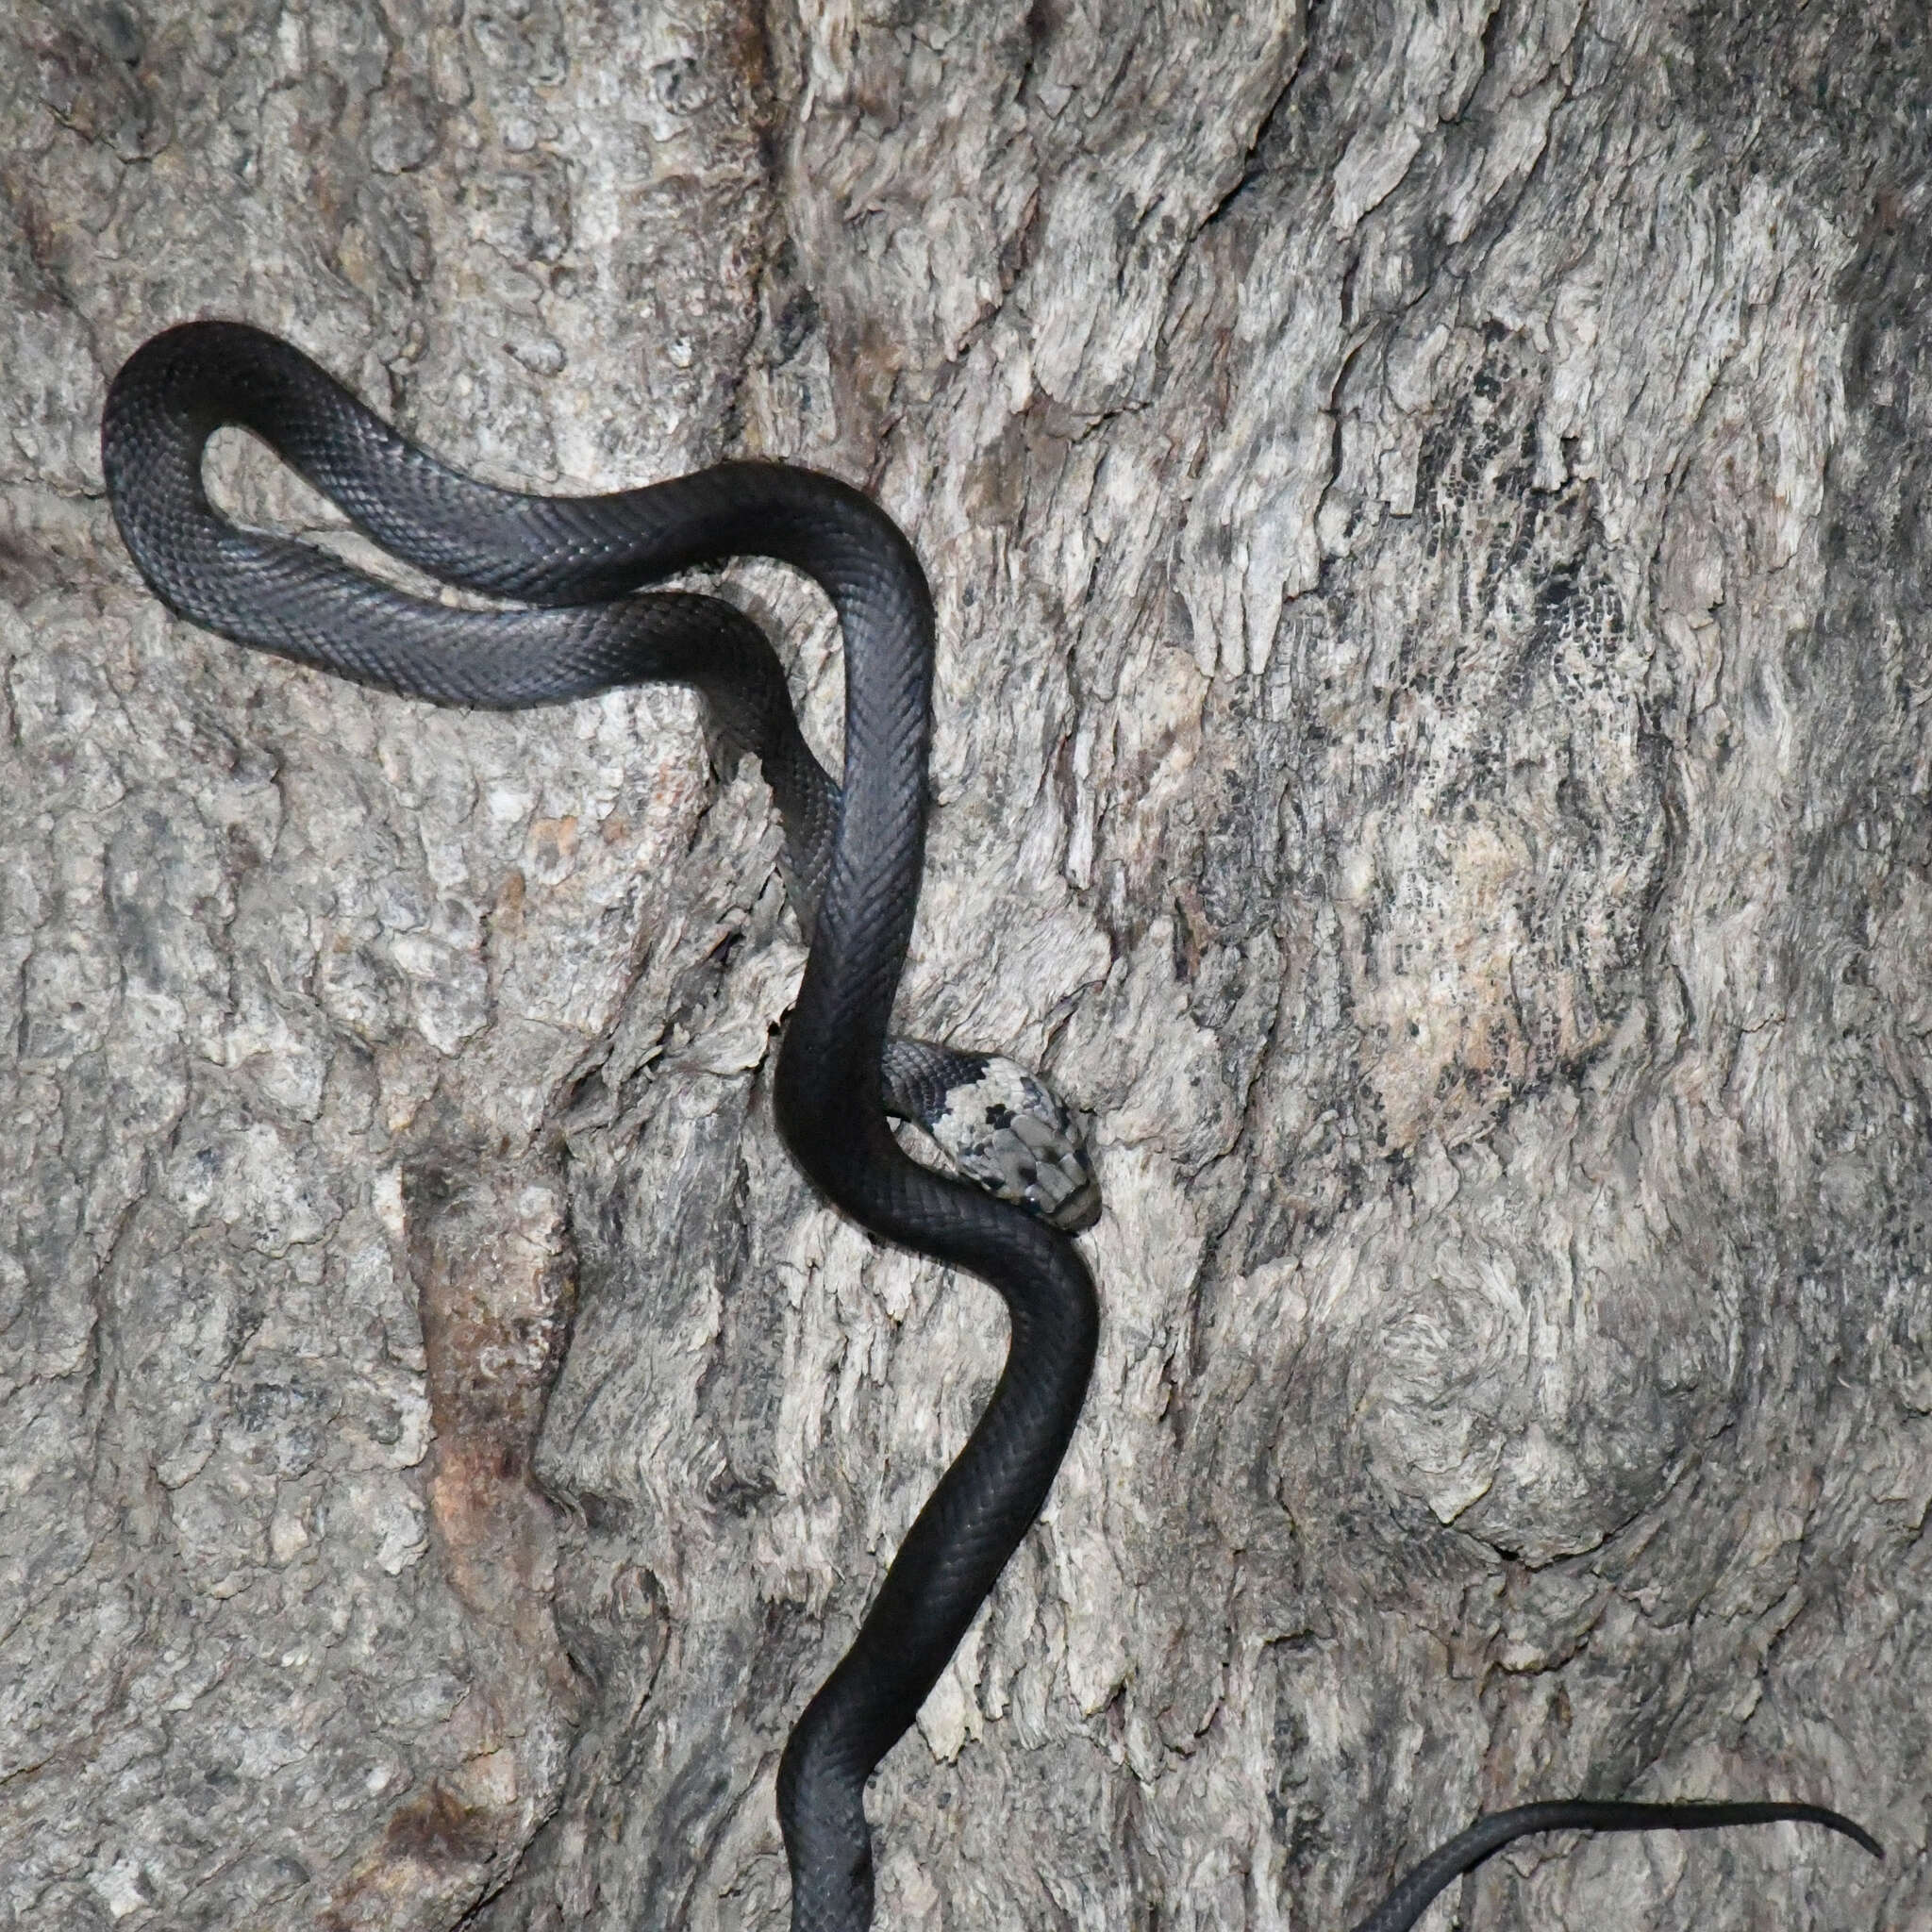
{"x": 1009, "y": 1131}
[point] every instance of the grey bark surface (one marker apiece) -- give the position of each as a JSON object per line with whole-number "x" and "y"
{"x": 1433, "y": 749}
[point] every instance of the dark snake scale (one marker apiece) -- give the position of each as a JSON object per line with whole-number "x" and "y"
{"x": 855, "y": 855}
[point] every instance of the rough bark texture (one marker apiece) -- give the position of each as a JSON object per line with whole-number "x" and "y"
{"x": 1433, "y": 748}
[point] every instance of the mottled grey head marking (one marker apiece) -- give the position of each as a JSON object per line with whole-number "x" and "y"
{"x": 1002, "y": 1127}
{"x": 1011, "y": 1132}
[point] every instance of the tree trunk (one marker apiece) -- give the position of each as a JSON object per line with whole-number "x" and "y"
{"x": 1432, "y": 749}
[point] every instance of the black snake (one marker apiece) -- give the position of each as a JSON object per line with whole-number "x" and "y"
{"x": 855, "y": 853}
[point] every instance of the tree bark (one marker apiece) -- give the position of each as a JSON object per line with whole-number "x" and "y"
{"x": 1432, "y": 749}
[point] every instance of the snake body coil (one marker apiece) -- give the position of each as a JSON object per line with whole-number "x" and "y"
{"x": 856, "y": 853}
{"x": 575, "y": 557}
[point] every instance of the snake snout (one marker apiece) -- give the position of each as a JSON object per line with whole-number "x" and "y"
{"x": 1079, "y": 1210}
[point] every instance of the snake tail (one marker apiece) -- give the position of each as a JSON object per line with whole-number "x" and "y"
{"x": 1419, "y": 1884}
